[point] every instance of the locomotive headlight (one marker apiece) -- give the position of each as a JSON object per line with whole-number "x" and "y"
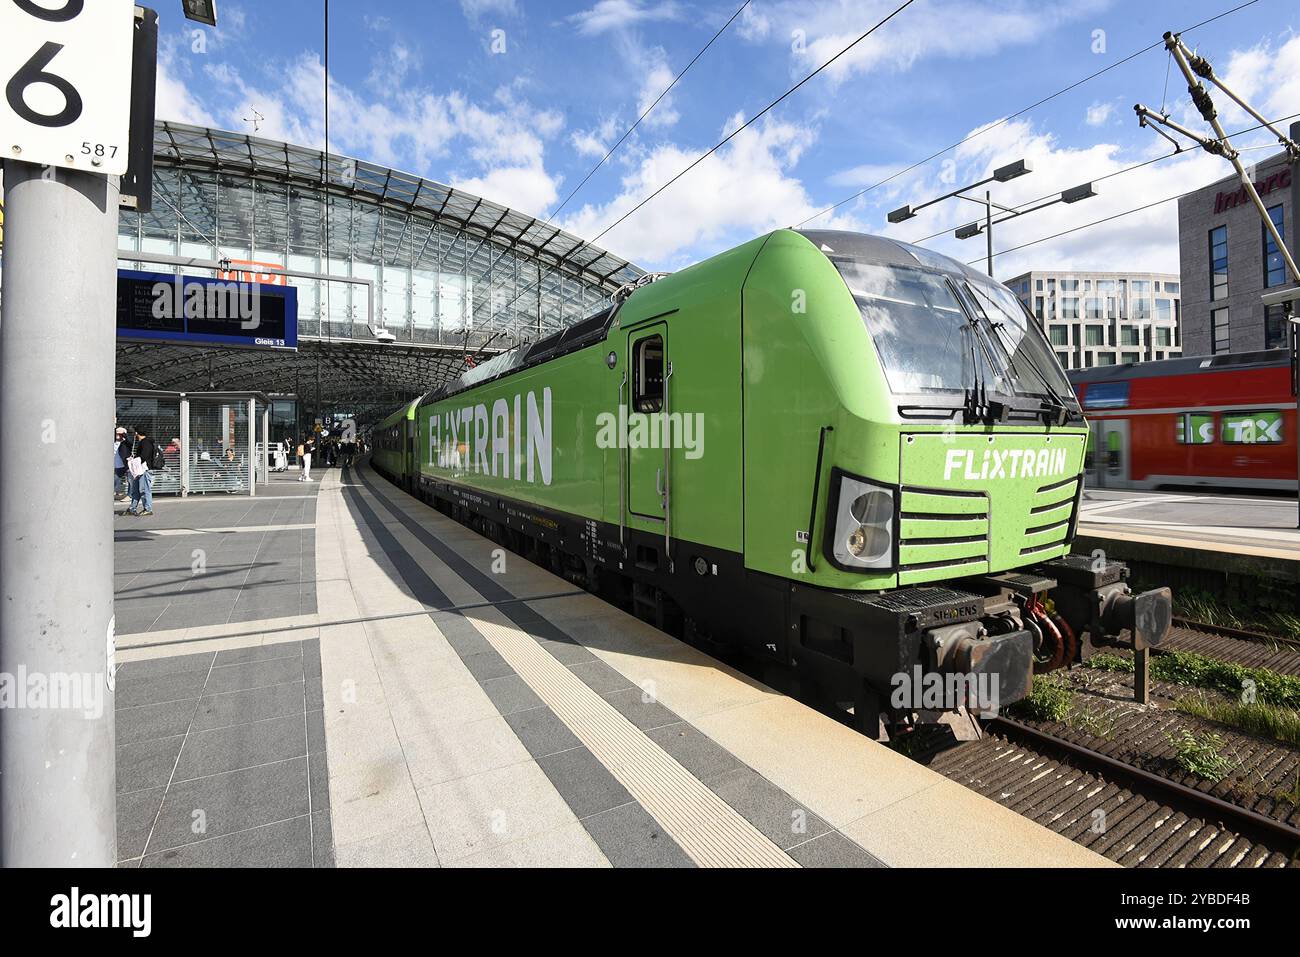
{"x": 864, "y": 525}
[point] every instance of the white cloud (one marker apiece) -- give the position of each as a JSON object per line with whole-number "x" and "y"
{"x": 754, "y": 25}
{"x": 742, "y": 191}
{"x": 1098, "y": 113}
{"x": 816, "y": 30}
{"x": 496, "y": 148}
{"x": 1145, "y": 240}
{"x": 175, "y": 76}
{"x": 609, "y": 15}
{"x": 476, "y": 9}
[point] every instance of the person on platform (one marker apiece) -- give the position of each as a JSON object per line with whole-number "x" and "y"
{"x": 304, "y": 456}
{"x": 140, "y": 466}
{"x": 121, "y": 451}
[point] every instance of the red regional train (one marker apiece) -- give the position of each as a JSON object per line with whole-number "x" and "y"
{"x": 1226, "y": 421}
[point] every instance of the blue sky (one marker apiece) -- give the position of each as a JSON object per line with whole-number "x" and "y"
{"x": 517, "y": 99}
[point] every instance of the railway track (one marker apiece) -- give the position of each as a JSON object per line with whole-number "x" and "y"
{"x": 1129, "y": 815}
{"x": 1250, "y": 648}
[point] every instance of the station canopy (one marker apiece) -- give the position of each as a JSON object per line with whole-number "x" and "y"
{"x": 412, "y": 281}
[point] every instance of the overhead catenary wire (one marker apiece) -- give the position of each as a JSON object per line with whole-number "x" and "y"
{"x": 1006, "y": 119}
{"x": 726, "y": 139}
{"x": 1126, "y": 169}
{"x": 646, "y": 112}
{"x": 1126, "y": 212}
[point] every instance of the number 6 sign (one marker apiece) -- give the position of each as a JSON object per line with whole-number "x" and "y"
{"x": 65, "y": 82}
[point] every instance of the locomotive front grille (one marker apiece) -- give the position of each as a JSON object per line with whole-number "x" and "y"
{"x": 942, "y": 533}
{"x": 1050, "y": 518}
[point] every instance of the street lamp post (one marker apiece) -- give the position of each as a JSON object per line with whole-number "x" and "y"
{"x": 1001, "y": 175}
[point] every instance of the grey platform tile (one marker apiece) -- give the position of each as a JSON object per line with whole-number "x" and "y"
{"x": 695, "y": 751}
{"x": 629, "y": 837}
{"x": 137, "y": 691}
{"x": 316, "y": 732}
{"x": 242, "y": 746}
{"x": 281, "y": 844}
{"x": 238, "y": 656}
{"x": 245, "y": 707}
{"x": 234, "y": 801}
{"x": 322, "y": 840}
{"x": 156, "y": 667}
{"x": 318, "y": 780}
{"x": 584, "y": 783}
{"x": 778, "y": 816}
{"x": 600, "y": 677}
{"x": 311, "y": 658}
{"x": 832, "y": 849}
{"x": 541, "y": 732}
{"x": 566, "y": 652}
{"x": 460, "y": 634}
{"x": 510, "y": 693}
{"x": 486, "y": 664}
{"x": 254, "y": 674}
{"x": 148, "y": 721}
{"x": 147, "y": 764}
{"x": 136, "y": 812}
{"x": 646, "y": 715}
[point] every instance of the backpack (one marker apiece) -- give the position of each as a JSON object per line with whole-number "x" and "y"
{"x": 157, "y": 461}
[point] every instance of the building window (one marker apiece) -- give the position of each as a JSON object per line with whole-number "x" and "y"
{"x": 1142, "y": 308}
{"x": 1094, "y": 336}
{"x": 1194, "y": 428}
{"x": 1275, "y": 325}
{"x": 1038, "y": 308}
{"x": 1128, "y": 336}
{"x": 1129, "y": 357}
{"x": 1064, "y": 359}
{"x": 1252, "y": 428}
{"x": 1219, "y": 325}
{"x": 1141, "y": 285}
{"x": 1164, "y": 337}
{"x": 1164, "y": 310}
{"x": 1173, "y": 287}
{"x": 1060, "y": 335}
{"x": 1038, "y": 285}
{"x": 1105, "y": 359}
{"x": 1092, "y": 307}
{"x": 1070, "y": 308}
{"x": 1069, "y": 285}
{"x": 1219, "y": 263}
{"x": 1274, "y": 264}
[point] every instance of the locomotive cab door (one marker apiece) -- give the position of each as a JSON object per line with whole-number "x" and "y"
{"x": 648, "y": 461}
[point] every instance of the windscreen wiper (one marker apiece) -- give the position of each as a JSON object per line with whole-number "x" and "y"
{"x": 1054, "y": 403}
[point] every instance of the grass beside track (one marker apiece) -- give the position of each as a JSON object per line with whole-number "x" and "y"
{"x": 1198, "y": 671}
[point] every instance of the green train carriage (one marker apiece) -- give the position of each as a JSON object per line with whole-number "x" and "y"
{"x": 852, "y": 458}
{"x": 393, "y": 442}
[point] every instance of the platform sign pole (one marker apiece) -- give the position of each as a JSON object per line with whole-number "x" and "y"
{"x": 64, "y": 120}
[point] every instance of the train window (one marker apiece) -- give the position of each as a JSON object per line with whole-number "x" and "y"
{"x": 1252, "y": 428}
{"x": 1194, "y": 428}
{"x": 648, "y": 363}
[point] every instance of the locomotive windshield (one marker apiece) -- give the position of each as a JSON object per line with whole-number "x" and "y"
{"x": 937, "y": 335}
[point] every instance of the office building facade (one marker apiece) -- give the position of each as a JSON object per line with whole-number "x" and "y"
{"x": 1228, "y": 259}
{"x": 1105, "y": 318}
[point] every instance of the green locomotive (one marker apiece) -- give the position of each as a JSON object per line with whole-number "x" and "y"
{"x": 849, "y": 457}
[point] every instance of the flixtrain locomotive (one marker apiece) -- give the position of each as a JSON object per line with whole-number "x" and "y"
{"x": 851, "y": 458}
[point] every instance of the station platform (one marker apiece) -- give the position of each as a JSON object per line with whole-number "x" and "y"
{"x": 1235, "y": 533}
{"x": 371, "y": 684}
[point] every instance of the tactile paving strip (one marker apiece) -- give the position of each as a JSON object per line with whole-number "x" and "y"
{"x": 708, "y": 829}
